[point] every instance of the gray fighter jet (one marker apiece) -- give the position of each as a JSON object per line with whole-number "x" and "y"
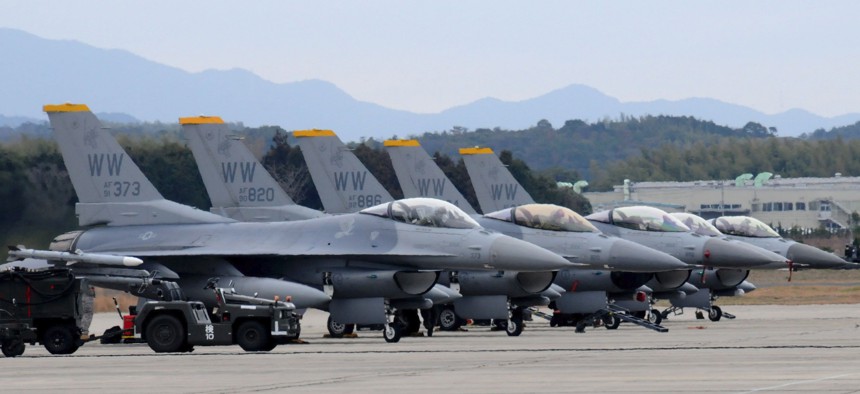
{"x": 715, "y": 283}
{"x": 239, "y": 187}
{"x": 753, "y": 231}
{"x": 553, "y": 227}
{"x": 134, "y": 220}
{"x": 496, "y": 189}
{"x": 657, "y": 229}
{"x": 345, "y": 184}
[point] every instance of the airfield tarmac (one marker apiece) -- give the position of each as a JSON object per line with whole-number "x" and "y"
{"x": 808, "y": 348}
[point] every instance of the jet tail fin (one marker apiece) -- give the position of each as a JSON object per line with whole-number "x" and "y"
{"x": 110, "y": 187}
{"x": 495, "y": 186}
{"x": 238, "y": 184}
{"x": 420, "y": 176}
{"x": 344, "y": 184}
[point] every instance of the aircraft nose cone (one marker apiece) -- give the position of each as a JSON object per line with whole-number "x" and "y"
{"x": 723, "y": 253}
{"x": 632, "y": 257}
{"x": 813, "y": 257}
{"x": 508, "y": 253}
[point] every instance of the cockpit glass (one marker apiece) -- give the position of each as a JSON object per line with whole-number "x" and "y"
{"x": 546, "y": 217}
{"x": 697, "y": 224}
{"x": 744, "y": 226}
{"x": 646, "y": 219}
{"x": 426, "y": 212}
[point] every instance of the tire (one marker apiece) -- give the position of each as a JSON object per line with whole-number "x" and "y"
{"x": 165, "y": 334}
{"x": 337, "y": 330}
{"x": 13, "y": 348}
{"x": 448, "y": 320}
{"x": 60, "y": 339}
{"x": 392, "y": 333}
{"x": 655, "y": 317}
{"x": 253, "y": 336}
{"x": 514, "y": 327}
{"x": 715, "y": 313}
{"x": 611, "y": 322}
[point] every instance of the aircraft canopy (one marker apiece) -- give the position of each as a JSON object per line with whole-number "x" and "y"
{"x": 428, "y": 212}
{"x": 744, "y": 226}
{"x": 640, "y": 218}
{"x": 545, "y": 217}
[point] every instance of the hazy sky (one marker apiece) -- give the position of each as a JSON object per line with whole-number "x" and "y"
{"x": 426, "y": 56}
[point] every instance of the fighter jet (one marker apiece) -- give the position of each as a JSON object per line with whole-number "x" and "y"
{"x": 131, "y": 218}
{"x": 496, "y": 189}
{"x": 553, "y": 227}
{"x": 715, "y": 283}
{"x": 345, "y": 184}
{"x": 239, "y": 187}
{"x": 753, "y": 231}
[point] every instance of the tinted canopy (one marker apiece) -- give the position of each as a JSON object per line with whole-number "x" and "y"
{"x": 744, "y": 226}
{"x": 640, "y": 218}
{"x": 427, "y": 212}
{"x": 544, "y": 217}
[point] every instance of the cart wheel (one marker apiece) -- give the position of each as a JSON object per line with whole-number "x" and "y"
{"x": 165, "y": 334}
{"x": 13, "y": 348}
{"x": 253, "y": 336}
{"x": 60, "y": 339}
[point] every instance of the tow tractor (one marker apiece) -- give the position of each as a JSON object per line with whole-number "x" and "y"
{"x": 255, "y": 324}
{"x": 53, "y": 306}
{"x": 49, "y": 306}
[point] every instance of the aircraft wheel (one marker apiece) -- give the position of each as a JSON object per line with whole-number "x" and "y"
{"x": 715, "y": 313}
{"x": 611, "y": 322}
{"x": 514, "y": 327}
{"x": 60, "y": 339}
{"x": 253, "y": 336}
{"x": 165, "y": 334}
{"x": 655, "y": 317}
{"x": 13, "y": 348}
{"x": 392, "y": 333}
{"x": 337, "y": 330}
{"x": 448, "y": 320}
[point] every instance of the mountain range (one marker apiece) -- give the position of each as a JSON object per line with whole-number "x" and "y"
{"x": 40, "y": 71}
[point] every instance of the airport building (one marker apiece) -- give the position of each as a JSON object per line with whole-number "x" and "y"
{"x": 806, "y": 203}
